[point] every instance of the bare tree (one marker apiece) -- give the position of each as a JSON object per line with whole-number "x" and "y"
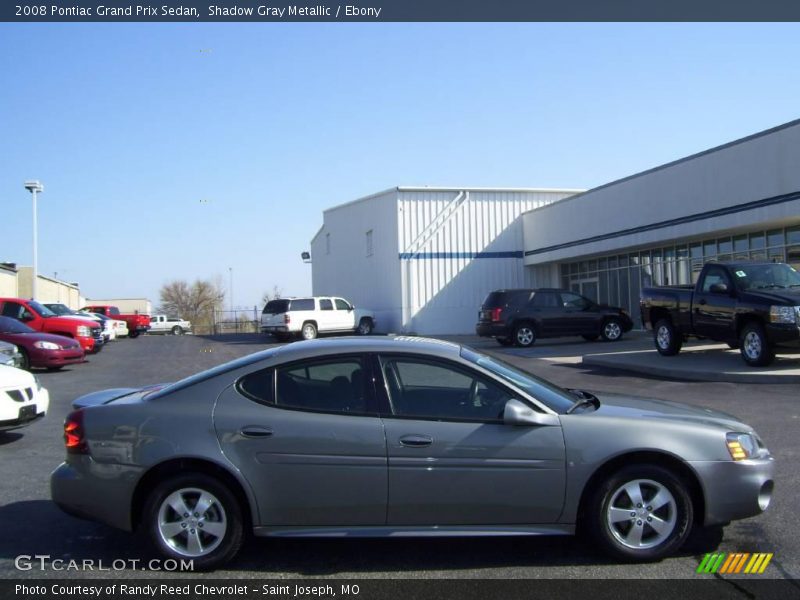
{"x": 196, "y": 302}
{"x": 274, "y": 295}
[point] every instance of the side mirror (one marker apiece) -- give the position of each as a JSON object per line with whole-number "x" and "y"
{"x": 519, "y": 413}
{"x": 27, "y": 318}
{"x": 718, "y": 288}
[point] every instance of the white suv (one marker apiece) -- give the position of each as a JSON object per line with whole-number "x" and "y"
{"x": 307, "y": 317}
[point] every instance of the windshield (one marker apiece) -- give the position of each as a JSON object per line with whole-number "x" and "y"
{"x": 59, "y": 309}
{"x": 552, "y": 396}
{"x": 766, "y": 276}
{"x": 41, "y": 309}
{"x": 9, "y": 325}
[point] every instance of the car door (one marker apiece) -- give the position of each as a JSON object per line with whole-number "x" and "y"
{"x": 345, "y": 315}
{"x": 545, "y": 308}
{"x": 579, "y": 318}
{"x": 326, "y": 316}
{"x": 715, "y": 311}
{"x": 308, "y": 439}
{"x": 452, "y": 460}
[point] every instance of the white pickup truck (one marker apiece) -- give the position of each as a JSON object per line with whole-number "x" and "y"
{"x": 286, "y": 317}
{"x": 173, "y": 325}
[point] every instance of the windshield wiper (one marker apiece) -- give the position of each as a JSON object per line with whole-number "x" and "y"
{"x": 770, "y": 286}
{"x": 584, "y": 399}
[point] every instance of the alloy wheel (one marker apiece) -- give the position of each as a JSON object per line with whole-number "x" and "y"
{"x": 192, "y": 522}
{"x": 752, "y": 345}
{"x": 612, "y": 331}
{"x": 663, "y": 337}
{"x": 642, "y": 514}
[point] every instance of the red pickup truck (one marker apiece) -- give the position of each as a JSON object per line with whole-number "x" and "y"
{"x": 136, "y": 323}
{"x": 36, "y": 316}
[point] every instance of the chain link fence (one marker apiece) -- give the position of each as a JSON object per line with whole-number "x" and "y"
{"x": 238, "y": 320}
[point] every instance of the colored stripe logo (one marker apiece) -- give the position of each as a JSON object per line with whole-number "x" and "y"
{"x": 735, "y": 562}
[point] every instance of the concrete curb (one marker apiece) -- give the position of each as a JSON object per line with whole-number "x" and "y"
{"x": 650, "y": 363}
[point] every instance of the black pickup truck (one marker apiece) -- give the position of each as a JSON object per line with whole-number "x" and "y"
{"x": 751, "y": 306}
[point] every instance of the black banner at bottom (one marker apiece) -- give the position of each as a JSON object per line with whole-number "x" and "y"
{"x": 705, "y": 588}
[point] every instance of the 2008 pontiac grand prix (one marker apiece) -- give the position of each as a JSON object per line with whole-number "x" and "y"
{"x": 400, "y": 437}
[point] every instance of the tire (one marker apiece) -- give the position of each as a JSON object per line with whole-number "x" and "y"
{"x": 754, "y": 346}
{"x": 504, "y": 341}
{"x": 590, "y": 337}
{"x": 364, "y": 327}
{"x": 171, "y": 532}
{"x": 623, "y": 513}
{"x": 24, "y": 360}
{"x": 177, "y": 330}
{"x": 666, "y": 337}
{"x": 133, "y": 334}
{"x": 524, "y": 335}
{"x": 612, "y": 330}
{"x": 309, "y": 331}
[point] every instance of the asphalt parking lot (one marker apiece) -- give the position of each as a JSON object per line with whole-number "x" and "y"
{"x": 32, "y": 525}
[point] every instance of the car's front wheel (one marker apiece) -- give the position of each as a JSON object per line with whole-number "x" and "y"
{"x": 641, "y": 513}
{"x": 754, "y": 346}
{"x": 194, "y": 517}
{"x": 612, "y": 330}
{"x": 177, "y": 330}
{"x": 364, "y": 327}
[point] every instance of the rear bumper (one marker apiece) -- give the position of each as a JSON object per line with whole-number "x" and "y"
{"x": 735, "y": 490}
{"x": 492, "y": 330}
{"x": 274, "y": 329}
{"x": 77, "y": 490}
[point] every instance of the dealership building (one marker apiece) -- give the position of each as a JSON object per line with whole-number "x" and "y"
{"x": 425, "y": 258}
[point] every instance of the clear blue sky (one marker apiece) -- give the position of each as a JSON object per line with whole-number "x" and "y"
{"x": 178, "y": 151}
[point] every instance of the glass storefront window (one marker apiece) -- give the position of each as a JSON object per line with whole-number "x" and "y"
{"x": 740, "y": 244}
{"x": 710, "y": 250}
{"x": 793, "y": 235}
{"x": 696, "y": 250}
{"x": 775, "y": 238}
{"x": 757, "y": 241}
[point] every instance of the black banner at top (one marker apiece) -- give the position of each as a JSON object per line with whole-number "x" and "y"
{"x": 276, "y": 11}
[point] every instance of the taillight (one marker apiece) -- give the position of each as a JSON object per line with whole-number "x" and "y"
{"x": 496, "y": 312}
{"x": 286, "y": 318}
{"x": 74, "y": 436}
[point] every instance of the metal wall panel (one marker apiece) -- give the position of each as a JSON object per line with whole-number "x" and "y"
{"x": 456, "y": 247}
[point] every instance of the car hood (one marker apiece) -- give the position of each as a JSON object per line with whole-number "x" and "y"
{"x": 12, "y": 377}
{"x": 109, "y": 395}
{"x": 778, "y": 296}
{"x": 649, "y": 408}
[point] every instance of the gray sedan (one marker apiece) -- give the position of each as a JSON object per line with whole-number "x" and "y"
{"x": 400, "y": 437}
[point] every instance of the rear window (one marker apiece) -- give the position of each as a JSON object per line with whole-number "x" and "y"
{"x": 275, "y": 307}
{"x": 303, "y": 304}
{"x": 507, "y": 297}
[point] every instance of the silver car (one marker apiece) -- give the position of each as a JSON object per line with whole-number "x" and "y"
{"x": 400, "y": 437}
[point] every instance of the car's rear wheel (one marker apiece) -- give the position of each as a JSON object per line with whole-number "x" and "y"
{"x": 194, "y": 517}
{"x": 754, "y": 346}
{"x": 177, "y": 330}
{"x": 612, "y": 330}
{"x": 642, "y": 513}
{"x": 504, "y": 341}
{"x": 667, "y": 339}
{"x": 309, "y": 331}
{"x": 524, "y": 335}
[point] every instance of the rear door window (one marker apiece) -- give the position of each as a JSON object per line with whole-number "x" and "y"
{"x": 302, "y": 304}
{"x": 325, "y": 304}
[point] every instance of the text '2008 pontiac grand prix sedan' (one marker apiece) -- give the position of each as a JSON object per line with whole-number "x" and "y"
{"x": 400, "y": 437}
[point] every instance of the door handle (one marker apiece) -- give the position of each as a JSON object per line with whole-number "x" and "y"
{"x": 255, "y": 432}
{"x": 416, "y": 441}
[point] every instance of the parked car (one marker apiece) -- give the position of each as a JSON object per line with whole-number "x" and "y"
{"x": 308, "y": 317}
{"x": 9, "y": 353}
{"x": 137, "y": 323}
{"x": 23, "y": 400}
{"x": 62, "y": 310}
{"x": 753, "y": 306}
{"x": 40, "y": 349}
{"x": 165, "y": 324}
{"x": 40, "y": 318}
{"x": 521, "y": 316}
{"x": 400, "y": 436}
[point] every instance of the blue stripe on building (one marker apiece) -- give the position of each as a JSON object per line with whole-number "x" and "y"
{"x": 429, "y": 255}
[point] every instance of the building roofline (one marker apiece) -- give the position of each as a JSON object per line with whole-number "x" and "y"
{"x": 673, "y": 163}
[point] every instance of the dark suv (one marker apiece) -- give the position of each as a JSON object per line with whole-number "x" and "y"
{"x": 520, "y": 316}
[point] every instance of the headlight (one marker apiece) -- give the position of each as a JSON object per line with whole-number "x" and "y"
{"x": 9, "y": 350}
{"x": 783, "y": 314}
{"x": 742, "y": 445}
{"x": 47, "y": 346}
{"x": 84, "y": 331}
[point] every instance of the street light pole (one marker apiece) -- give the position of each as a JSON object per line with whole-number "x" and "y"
{"x": 34, "y": 186}
{"x": 230, "y": 271}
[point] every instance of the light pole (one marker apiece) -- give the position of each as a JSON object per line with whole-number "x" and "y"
{"x": 230, "y": 271}
{"x": 34, "y": 187}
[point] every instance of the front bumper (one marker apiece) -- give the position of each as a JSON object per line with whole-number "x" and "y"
{"x": 735, "y": 489}
{"x": 784, "y": 335}
{"x": 14, "y": 415}
{"x": 56, "y": 358}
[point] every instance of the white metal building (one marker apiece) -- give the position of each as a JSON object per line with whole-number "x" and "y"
{"x": 424, "y": 258}
{"x": 737, "y": 201}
